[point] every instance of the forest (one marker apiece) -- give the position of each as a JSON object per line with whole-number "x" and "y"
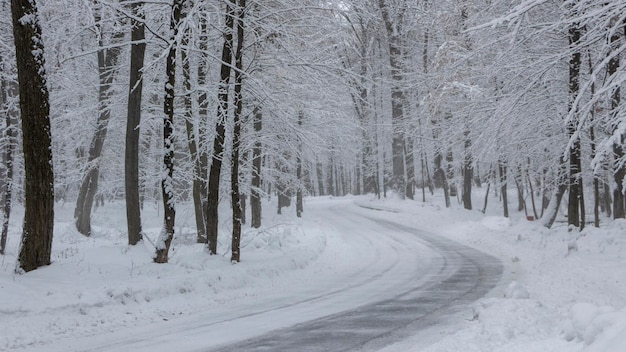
{"x": 235, "y": 101}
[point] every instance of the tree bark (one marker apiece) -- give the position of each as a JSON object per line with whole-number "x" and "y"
{"x": 299, "y": 205}
{"x": 440, "y": 177}
{"x": 255, "y": 197}
{"x": 131, "y": 158}
{"x": 502, "y": 167}
{"x": 167, "y": 183}
{"x": 468, "y": 174}
{"x": 107, "y": 67}
{"x": 220, "y": 132}
{"x": 238, "y": 101}
{"x": 36, "y": 243}
{"x": 575, "y": 166}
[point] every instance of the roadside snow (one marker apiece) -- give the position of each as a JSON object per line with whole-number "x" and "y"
{"x": 562, "y": 291}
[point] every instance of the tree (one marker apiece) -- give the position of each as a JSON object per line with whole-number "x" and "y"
{"x": 198, "y": 154}
{"x": 394, "y": 41}
{"x": 36, "y": 243}
{"x": 220, "y": 131}
{"x": 238, "y": 101}
{"x": 108, "y": 54}
{"x": 167, "y": 183}
{"x": 255, "y": 196}
{"x": 575, "y": 167}
{"x": 135, "y": 90}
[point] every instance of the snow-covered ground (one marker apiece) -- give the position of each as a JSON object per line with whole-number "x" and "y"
{"x": 562, "y": 291}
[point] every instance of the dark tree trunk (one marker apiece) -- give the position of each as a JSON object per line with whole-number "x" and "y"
{"x": 468, "y": 174}
{"x": 440, "y": 177}
{"x": 167, "y": 183}
{"x": 299, "y": 205}
{"x": 410, "y": 169}
{"x": 135, "y": 90}
{"x": 575, "y": 169}
{"x": 7, "y": 90}
{"x": 107, "y": 64}
{"x": 490, "y": 178}
{"x": 519, "y": 184}
{"x": 503, "y": 187}
{"x": 238, "y": 101}
{"x": 220, "y": 132}
{"x": 36, "y": 244}
{"x": 203, "y": 111}
{"x": 255, "y": 197}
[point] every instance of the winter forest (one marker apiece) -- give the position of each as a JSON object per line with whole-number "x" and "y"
{"x": 207, "y": 100}
{"x": 236, "y": 109}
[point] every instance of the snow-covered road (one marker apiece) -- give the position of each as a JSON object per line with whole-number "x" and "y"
{"x": 387, "y": 281}
{"x": 451, "y": 278}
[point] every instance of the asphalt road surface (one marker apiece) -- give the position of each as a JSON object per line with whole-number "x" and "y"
{"x": 376, "y": 283}
{"x": 458, "y": 276}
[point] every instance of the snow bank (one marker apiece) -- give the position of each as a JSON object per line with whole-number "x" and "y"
{"x": 562, "y": 291}
{"x": 100, "y": 284}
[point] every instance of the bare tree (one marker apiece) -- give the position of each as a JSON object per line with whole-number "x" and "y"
{"x": 167, "y": 183}
{"x": 238, "y": 101}
{"x": 36, "y": 244}
{"x": 108, "y": 54}
{"x": 135, "y": 90}
{"x": 220, "y": 131}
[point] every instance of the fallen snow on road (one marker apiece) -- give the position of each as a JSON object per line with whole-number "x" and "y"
{"x": 562, "y": 291}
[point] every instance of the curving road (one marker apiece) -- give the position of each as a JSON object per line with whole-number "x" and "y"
{"x": 377, "y": 283}
{"x": 453, "y": 277}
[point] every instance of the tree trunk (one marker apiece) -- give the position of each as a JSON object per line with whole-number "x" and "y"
{"x": 519, "y": 184}
{"x": 299, "y": 206}
{"x": 592, "y": 142}
{"x": 410, "y": 169}
{"x": 553, "y": 208}
{"x": 107, "y": 64}
{"x": 532, "y": 196}
{"x": 398, "y": 180}
{"x": 220, "y": 132}
{"x": 468, "y": 174}
{"x": 491, "y": 178}
{"x": 575, "y": 169}
{"x": 440, "y": 177}
{"x": 135, "y": 90}
{"x": 167, "y": 183}
{"x": 203, "y": 112}
{"x": 238, "y": 101}
{"x": 503, "y": 187}
{"x": 36, "y": 244}
{"x": 255, "y": 197}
